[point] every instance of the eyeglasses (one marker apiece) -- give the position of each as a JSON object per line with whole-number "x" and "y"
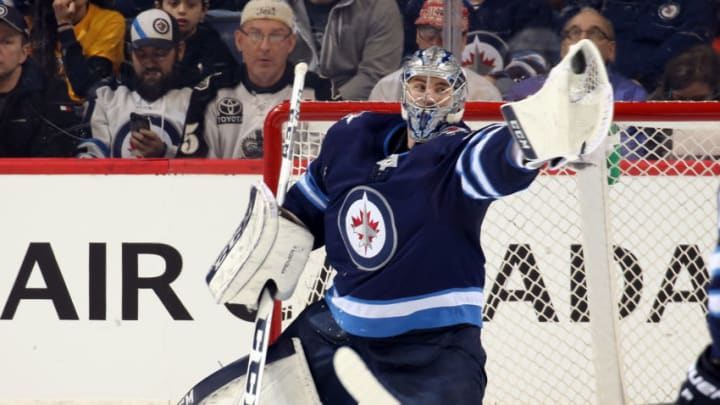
{"x": 574, "y": 33}
{"x": 429, "y": 33}
{"x": 258, "y": 37}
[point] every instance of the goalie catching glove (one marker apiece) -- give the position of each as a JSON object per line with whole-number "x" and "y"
{"x": 268, "y": 249}
{"x": 570, "y": 116}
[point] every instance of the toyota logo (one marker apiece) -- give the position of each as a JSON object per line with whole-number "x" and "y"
{"x": 230, "y": 106}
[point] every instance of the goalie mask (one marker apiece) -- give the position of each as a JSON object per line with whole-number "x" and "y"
{"x": 434, "y": 91}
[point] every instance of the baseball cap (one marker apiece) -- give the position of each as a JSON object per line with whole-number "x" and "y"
{"x": 523, "y": 65}
{"x": 12, "y": 17}
{"x": 268, "y": 9}
{"x": 432, "y": 13}
{"x": 154, "y": 27}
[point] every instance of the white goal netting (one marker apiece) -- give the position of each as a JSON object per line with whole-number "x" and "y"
{"x": 595, "y": 278}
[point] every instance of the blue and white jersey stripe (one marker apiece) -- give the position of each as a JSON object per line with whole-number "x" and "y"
{"x": 374, "y": 318}
{"x": 474, "y": 177}
{"x": 308, "y": 186}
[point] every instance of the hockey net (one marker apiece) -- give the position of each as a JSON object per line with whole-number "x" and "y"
{"x": 595, "y": 278}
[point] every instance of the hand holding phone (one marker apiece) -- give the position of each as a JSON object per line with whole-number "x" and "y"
{"x": 139, "y": 121}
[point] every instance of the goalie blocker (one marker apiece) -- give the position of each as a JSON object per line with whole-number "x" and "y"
{"x": 268, "y": 249}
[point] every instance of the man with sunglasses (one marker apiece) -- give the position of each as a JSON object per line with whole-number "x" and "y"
{"x": 587, "y": 23}
{"x": 227, "y": 111}
{"x": 151, "y": 97}
{"x": 429, "y": 26}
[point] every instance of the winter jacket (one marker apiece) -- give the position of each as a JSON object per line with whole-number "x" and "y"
{"x": 32, "y": 124}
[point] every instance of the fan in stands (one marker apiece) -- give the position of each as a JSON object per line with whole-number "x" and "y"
{"x": 397, "y": 200}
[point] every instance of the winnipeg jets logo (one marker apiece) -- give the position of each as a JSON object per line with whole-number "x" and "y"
{"x": 367, "y": 227}
{"x": 364, "y": 226}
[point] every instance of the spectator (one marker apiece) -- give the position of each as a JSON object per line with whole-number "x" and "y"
{"x": 352, "y": 42}
{"x": 230, "y": 126}
{"x": 564, "y": 8}
{"x": 523, "y": 66}
{"x": 30, "y": 126}
{"x": 492, "y": 24}
{"x": 205, "y": 51}
{"x": 694, "y": 75}
{"x": 587, "y": 23}
{"x": 544, "y": 42}
{"x": 156, "y": 48}
{"x": 429, "y": 32}
{"x": 91, "y": 43}
{"x": 651, "y": 32}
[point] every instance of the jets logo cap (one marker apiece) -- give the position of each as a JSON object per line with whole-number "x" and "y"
{"x": 268, "y": 9}
{"x": 154, "y": 27}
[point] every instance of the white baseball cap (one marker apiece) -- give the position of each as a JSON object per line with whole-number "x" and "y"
{"x": 268, "y": 9}
{"x": 154, "y": 27}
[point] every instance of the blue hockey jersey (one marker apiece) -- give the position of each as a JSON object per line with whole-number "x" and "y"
{"x": 713, "y": 289}
{"x": 402, "y": 227}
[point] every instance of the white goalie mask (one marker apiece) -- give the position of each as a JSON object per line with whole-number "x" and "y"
{"x": 434, "y": 91}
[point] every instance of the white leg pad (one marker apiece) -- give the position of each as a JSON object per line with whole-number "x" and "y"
{"x": 285, "y": 382}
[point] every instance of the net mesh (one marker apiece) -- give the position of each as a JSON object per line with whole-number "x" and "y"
{"x": 537, "y": 324}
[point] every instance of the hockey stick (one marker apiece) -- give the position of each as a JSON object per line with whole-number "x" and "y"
{"x": 289, "y": 138}
{"x": 359, "y": 381}
{"x": 258, "y": 352}
{"x": 263, "y": 322}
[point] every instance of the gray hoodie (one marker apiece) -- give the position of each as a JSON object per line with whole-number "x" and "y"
{"x": 363, "y": 42}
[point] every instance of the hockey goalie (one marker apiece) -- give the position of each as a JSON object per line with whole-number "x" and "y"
{"x": 397, "y": 201}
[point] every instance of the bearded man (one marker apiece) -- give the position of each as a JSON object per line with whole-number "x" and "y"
{"x": 143, "y": 117}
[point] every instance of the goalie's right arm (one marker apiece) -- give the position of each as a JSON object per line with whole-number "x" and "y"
{"x": 269, "y": 248}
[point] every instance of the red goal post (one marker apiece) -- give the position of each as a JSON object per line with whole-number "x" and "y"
{"x": 595, "y": 278}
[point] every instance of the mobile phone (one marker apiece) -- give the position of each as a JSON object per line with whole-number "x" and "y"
{"x": 139, "y": 121}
